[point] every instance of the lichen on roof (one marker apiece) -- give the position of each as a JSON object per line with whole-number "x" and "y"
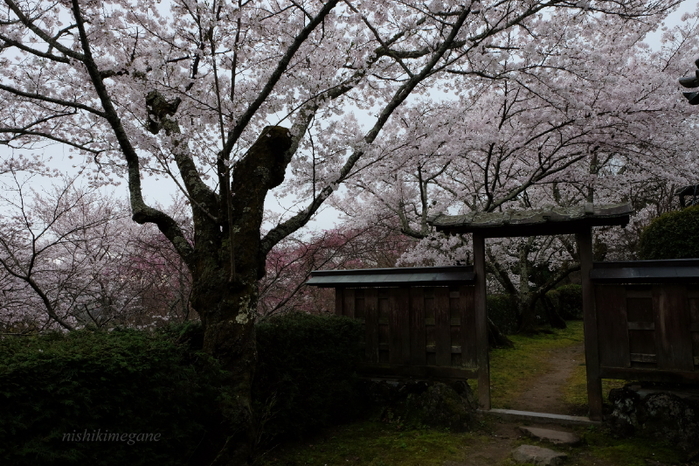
{"x": 519, "y": 222}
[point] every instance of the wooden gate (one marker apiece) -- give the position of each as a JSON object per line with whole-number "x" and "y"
{"x": 641, "y": 318}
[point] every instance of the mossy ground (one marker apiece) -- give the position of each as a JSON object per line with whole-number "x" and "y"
{"x": 373, "y": 443}
{"x": 513, "y": 369}
{"x": 376, "y": 443}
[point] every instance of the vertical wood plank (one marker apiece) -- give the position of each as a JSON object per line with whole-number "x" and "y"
{"x": 612, "y": 326}
{"x": 672, "y": 327}
{"x": 443, "y": 324}
{"x": 399, "y": 343}
{"x": 418, "y": 356}
{"x": 371, "y": 307}
{"x": 348, "y": 303}
{"x": 694, "y": 321}
{"x": 481, "y": 321}
{"x": 641, "y": 318}
{"x": 592, "y": 363}
{"x": 359, "y": 308}
{"x": 430, "y": 328}
{"x": 404, "y": 308}
{"x": 384, "y": 325}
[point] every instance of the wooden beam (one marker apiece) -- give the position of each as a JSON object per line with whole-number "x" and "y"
{"x": 481, "y": 318}
{"x": 592, "y": 362}
{"x": 650, "y": 375}
{"x": 419, "y": 372}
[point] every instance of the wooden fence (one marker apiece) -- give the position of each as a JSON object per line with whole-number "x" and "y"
{"x": 419, "y": 322}
{"x": 648, "y": 320}
{"x": 415, "y": 331}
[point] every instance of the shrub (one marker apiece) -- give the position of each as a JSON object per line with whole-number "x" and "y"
{"x": 55, "y": 389}
{"x": 306, "y": 372}
{"x": 502, "y": 310}
{"x": 567, "y": 300}
{"x": 671, "y": 236}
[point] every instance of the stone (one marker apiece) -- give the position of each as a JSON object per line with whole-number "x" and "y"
{"x": 555, "y": 437}
{"x": 441, "y": 406}
{"x": 658, "y": 413}
{"x": 537, "y": 455}
{"x": 624, "y": 417}
{"x": 420, "y": 403}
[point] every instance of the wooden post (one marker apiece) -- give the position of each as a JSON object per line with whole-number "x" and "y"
{"x": 481, "y": 321}
{"x": 592, "y": 362}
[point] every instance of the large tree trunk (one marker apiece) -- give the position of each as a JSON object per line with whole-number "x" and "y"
{"x": 525, "y": 300}
{"x": 229, "y": 335}
{"x": 229, "y": 260}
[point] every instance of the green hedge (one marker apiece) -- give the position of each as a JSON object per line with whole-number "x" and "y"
{"x": 306, "y": 373}
{"x": 671, "y": 236}
{"x": 55, "y": 389}
{"x": 567, "y": 300}
{"x": 502, "y": 310}
{"x": 83, "y": 398}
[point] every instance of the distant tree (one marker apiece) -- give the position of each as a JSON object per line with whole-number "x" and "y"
{"x": 72, "y": 258}
{"x": 591, "y": 115}
{"x": 290, "y": 263}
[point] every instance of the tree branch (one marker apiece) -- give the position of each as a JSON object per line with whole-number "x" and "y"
{"x": 282, "y": 65}
{"x": 43, "y": 35}
{"x": 302, "y": 218}
{"x": 142, "y": 213}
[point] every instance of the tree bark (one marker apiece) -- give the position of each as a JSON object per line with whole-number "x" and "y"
{"x": 227, "y": 265}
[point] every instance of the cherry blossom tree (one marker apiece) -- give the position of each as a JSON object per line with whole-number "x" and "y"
{"x": 155, "y": 271}
{"x": 591, "y": 115}
{"x": 72, "y": 258}
{"x": 290, "y": 263}
{"x": 198, "y": 91}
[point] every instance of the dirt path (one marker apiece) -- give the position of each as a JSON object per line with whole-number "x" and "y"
{"x": 546, "y": 394}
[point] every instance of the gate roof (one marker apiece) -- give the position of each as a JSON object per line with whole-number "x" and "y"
{"x": 416, "y": 276}
{"x": 546, "y": 221}
{"x": 649, "y": 271}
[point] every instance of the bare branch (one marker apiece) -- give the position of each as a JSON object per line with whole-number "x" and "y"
{"x": 276, "y": 75}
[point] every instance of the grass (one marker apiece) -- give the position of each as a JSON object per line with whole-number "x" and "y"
{"x": 575, "y": 392}
{"x": 600, "y": 445}
{"x": 373, "y": 443}
{"x": 512, "y": 370}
